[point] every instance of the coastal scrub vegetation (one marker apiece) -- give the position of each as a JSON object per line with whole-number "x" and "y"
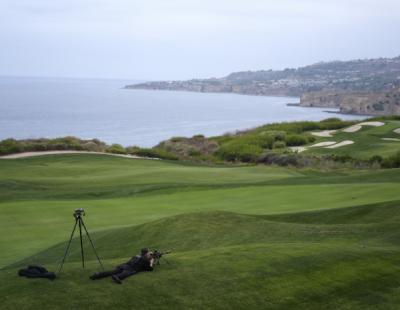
{"x": 10, "y": 146}
{"x": 269, "y": 144}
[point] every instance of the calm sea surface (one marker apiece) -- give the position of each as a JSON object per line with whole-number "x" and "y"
{"x": 43, "y": 107}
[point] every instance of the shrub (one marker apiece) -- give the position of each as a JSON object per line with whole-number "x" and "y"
{"x": 296, "y": 140}
{"x": 239, "y": 152}
{"x": 275, "y": 134}
{"x": 292, "y": 127}
{"x": 342, "y": 158}
{"x": 392, "y": 161}
{"x": 194, "y": 152}
{"x": 10, "y": 146}
{"x": 279, "y": 145}
{"x": 271, "y": 158}
{"x": 132, "y": 149}
{"x": 376, "y": 159}
{"x": 300, "y": 127}
{"x": 91, "y": 146}
{"x": 177, "y": 139}
{"x": 310, "y": 138}
{"x": 334, "y": 123}
{"x": 37, "y": 147}
{"x": 116, "y": 149}
{"x": 154, "y": 153}
{"x": 264, "y": 140}
{"x": 279, "y": 135}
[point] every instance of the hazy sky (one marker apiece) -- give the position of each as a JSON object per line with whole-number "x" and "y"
{"x": 179, "y": 39}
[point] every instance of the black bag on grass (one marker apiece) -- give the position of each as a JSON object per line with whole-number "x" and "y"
{"x": 36, "y": 272}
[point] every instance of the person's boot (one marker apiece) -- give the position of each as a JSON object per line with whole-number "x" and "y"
{"x": 116, "y": 279}
{"x": 95, "y": 276}
{"x": 50, "y": 275}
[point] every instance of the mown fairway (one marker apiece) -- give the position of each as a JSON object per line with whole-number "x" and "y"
{"x": 242, "y": 237}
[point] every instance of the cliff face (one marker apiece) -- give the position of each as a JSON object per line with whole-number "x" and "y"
{"x": 385, "y": 103}
{"x": 372, "y": 103}
{"x": 325, "y": 99}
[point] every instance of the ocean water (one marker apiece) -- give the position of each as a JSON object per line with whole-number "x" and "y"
{"x": 86, "y": 108}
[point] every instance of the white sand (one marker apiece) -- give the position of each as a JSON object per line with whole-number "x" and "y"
{"x": 298, "y": 149}
{"x": 353, "y": 128}
{"x": 375, "y": 124}
{"x": 358, "y": 126}
{"x": 32, "y": 154}
{"x": 391, "y": 139}
{"x": 340, "y": 144}
{"x": 397, "y": 131}
{"x": 320, "y": 144}
{"x": 324, "y": 133}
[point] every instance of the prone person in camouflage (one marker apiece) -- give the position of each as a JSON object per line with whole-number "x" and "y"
{"x": 142, "y": 262}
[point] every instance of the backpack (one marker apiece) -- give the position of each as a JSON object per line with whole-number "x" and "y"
{"x": 36, "y": 272}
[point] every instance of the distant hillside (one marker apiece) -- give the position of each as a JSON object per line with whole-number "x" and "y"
{"x": 344, "y": 77}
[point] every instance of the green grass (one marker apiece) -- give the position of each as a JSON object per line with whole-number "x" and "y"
{"x": 367, "y": 142}
{"x": 242, "y": 237}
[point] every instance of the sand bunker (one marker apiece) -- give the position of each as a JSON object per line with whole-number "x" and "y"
{"x": 391, "y": 139}
{"x": 353, "y": 128}
{"x": 32, "y": 154}
{"x": 340, "y": 144}
{"x": 321, "y": 144}
{"x": 375, "y": 124}
{"x": 324, "y": 133}
{"x": 357, "y": 127}
{"x": 397, "y": 131}
{"x": 326, "y": 144}
{"x": 298, "y": 149}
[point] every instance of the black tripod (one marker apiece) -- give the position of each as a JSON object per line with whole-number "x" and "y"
{"x": 79, "y": 222}
{"x": 160, "y": 256}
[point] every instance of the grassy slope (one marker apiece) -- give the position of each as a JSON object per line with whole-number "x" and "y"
{"x": 225, "y": 260}
{"x": 367, "y": 142}
{"x": 40, "y": 194}
{"x": 274, "y": 256}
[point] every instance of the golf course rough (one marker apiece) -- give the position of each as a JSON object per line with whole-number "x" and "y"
{"x": 241, "y": 237}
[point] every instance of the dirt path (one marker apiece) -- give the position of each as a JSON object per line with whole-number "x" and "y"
{"x": 33, "y": 154}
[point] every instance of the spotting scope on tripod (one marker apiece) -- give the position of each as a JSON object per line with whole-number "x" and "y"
{"x": 78, "y": 214}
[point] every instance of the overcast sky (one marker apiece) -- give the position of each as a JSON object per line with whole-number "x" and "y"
{"x": 179, "y": 39}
